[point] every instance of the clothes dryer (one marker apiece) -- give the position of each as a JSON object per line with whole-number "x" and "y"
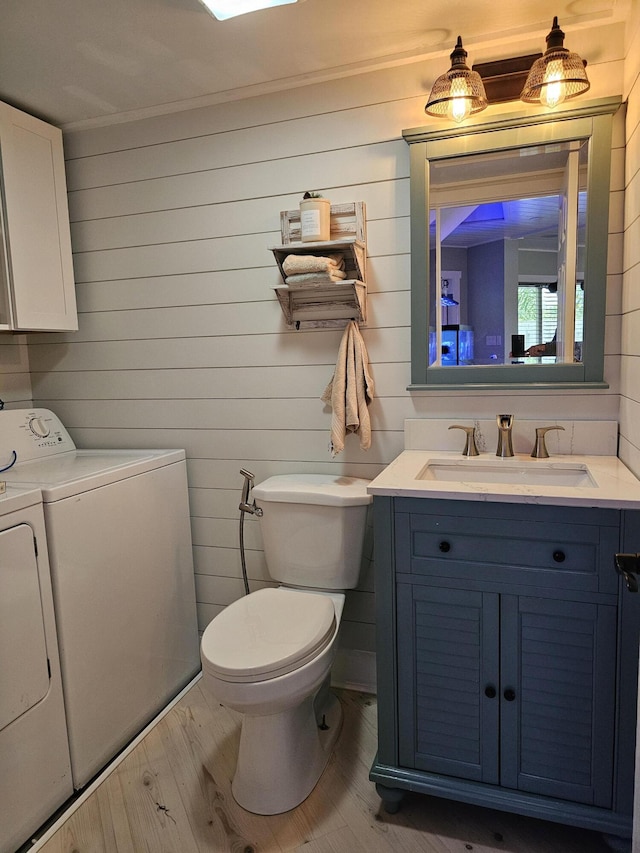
{"x": 119, "y": 538}
{"x": 35, "y": 771}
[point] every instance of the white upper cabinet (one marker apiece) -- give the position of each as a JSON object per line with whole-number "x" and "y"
{"x": 38, "y": 290}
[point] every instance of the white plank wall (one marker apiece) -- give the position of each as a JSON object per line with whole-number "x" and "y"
{"x": 15, "y": 379}
{"x": 630, "y": 343}
{"x": 181, "y": 341}
{"x": 629, "y": 450}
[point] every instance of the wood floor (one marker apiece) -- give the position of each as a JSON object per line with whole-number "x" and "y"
{"x": 172, "y": 794}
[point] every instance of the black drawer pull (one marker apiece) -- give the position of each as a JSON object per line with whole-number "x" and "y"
{"x": 509, "y": 694}
{"x": 490, "y": 691}
{"x": 559, "y": 556}
{"x": 444, "y": 547}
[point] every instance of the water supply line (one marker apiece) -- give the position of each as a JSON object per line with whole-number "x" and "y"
{"x": 244, "y": 507}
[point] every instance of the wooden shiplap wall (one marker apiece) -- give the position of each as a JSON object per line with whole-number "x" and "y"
{"x": 181, "y": 340}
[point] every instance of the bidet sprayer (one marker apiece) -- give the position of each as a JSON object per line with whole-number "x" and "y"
{"x": 244, "y": 505}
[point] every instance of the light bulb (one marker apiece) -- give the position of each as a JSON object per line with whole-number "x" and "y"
{"x": 553, "y": 91}
{"x": 460, "y": 105}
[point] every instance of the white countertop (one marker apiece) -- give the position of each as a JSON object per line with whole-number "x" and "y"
{"x": 613, "y": 486}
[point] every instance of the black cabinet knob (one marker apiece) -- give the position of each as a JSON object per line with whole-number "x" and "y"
{"x": 559, "y": 556}
{"x": 490, "y": 691}
{"x": 444, "y": 547}
{"x": 509, "y": 694}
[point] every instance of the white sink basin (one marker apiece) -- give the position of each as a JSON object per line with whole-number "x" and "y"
{"x": 534, "y": 473}
{"x": 562, "y": 480}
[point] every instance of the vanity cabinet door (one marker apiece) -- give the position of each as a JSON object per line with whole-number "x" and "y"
{"x": 448, "y": 680}
{"x": 510, "y": 690}
{"x": 557, "y": 698}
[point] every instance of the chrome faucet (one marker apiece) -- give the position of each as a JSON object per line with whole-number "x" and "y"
{"x": 505, "y": 425}
{"x": 470, "y": 448}
{"x": 540, "y": 447}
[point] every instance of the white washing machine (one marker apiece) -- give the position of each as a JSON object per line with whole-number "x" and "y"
{"x": 119, "y": 539}
{"x": 35, "y": 771}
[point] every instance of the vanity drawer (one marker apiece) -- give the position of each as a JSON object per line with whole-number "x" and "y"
{"x": 545, "y": 553}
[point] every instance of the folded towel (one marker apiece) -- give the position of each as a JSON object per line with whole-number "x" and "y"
{"x": 350, "y": 391}
{"x": 316, "y": 277}
{"x": 293, "y": 264}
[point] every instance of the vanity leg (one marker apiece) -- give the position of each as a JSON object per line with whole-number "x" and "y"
{"x": 391, "y": 798}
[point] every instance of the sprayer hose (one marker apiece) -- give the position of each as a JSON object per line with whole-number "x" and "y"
{"x": 242, "y": 558}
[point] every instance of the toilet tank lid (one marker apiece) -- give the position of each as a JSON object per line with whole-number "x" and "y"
{"x": 322, "y": 489}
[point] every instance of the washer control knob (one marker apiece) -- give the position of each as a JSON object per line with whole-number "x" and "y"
{"x": 38, "y": 427}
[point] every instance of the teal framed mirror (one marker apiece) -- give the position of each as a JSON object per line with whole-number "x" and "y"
{"x": 509, "y": 230}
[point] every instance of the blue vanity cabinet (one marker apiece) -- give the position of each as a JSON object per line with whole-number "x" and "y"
{"x": 507, "y": 658}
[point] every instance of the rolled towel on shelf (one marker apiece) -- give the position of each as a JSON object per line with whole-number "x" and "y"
{"x": 316, "y": 277}
{"x": 350, "y": 391}
{"x": 297, "y": 264}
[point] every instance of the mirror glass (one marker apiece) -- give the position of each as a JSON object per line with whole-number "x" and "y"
{"x": 509, "y": 226}
{"x": 506, "y": 237}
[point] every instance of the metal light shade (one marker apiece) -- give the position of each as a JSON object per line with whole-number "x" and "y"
{"x": 458, "y": 93}
{"x": 557, "y": 76}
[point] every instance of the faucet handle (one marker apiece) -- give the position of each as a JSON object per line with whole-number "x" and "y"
{"x": 470, "y": 448}
{"x": 540, "y": 447}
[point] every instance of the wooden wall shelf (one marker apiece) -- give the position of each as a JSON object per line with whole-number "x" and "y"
{"x": 326, "y": 305}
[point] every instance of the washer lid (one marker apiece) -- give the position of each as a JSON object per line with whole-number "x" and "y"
{"x": 320, "y": 489}
{"x": 67, "y": 474}
{"x": 267, "y": 634}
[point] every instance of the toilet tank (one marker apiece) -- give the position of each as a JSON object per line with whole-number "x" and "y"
{"x": 313, "y": 528}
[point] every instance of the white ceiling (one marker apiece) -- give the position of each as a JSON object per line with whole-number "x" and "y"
{"x": 78, "y": 62}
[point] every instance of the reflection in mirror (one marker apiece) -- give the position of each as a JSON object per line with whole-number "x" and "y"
{"x": 507, "y": 234}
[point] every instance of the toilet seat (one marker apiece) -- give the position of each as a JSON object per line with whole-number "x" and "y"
{"x": 267, "y": 634}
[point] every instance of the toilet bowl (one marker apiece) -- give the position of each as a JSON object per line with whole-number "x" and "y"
{"x": 290, "y": 724}
{"x": 269, "y": 654}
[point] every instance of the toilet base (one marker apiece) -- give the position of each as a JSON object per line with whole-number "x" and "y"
{"x": 282, "y": 756}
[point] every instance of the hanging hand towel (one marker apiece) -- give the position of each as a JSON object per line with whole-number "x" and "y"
{"x": 350, "y": 391}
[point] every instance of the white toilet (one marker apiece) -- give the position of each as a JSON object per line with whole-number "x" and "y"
{"x": 269, "y": 654}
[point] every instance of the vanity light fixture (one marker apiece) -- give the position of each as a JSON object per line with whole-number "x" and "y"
{"x": 224, "y": 9}
{"x": 460, "y": 92}
{"x": 557, "y": 76}
{"x": 547, "y": 79}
